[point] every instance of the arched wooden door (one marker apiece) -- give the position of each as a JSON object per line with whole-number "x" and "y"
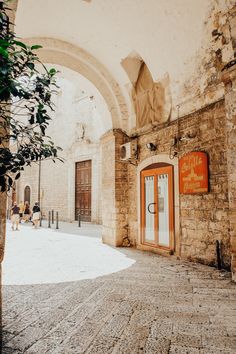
{"x": 157, "y": 207}
{"x": 27, "y": 194}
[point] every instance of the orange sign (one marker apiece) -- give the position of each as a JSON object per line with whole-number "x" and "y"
{"x": 193, "y": 173}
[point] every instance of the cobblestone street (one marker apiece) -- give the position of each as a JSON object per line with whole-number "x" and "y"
{"x": 157, "y": 305}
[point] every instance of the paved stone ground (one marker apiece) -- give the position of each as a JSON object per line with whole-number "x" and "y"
{"x": 158, "y": 305}
{"x": 45, "y": 256}
{"x": 85, "y": 229}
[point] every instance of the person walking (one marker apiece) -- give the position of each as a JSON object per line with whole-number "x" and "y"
{"x": 15, "y": 216}
{"x": 27, "y": 212}
{"x": 36, "y": 215}
{"x": 22, "y": 208}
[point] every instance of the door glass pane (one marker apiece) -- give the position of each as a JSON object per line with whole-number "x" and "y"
{"x": 149, "y": 209}
{"x": 163, "y": 210}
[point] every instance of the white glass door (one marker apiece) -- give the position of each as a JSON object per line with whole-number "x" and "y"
{"x": 150, "y": 209}
{"x": 163, "y": 210}
{"x": 157, "y": 207}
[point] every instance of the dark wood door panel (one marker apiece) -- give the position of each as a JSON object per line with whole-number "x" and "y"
{"x": 83, "y": 186}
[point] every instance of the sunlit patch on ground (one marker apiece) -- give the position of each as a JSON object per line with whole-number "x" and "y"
{"x": 46, "y": 256}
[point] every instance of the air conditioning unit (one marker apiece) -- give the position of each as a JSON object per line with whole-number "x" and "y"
{"x": 128, "y": 151}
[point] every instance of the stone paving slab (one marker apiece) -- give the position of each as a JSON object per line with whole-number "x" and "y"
{"x": 158, "y": 305}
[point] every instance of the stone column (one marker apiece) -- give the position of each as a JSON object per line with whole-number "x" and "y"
{"x": 114, "y": 189}
{"x": 229, "y": 79}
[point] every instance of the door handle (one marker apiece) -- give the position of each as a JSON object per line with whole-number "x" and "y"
{"x": 148, "y": 208}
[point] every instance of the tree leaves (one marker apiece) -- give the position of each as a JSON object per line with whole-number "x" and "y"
{"x": 34, "y": 47}
{"x": 25, "y": 105}
{"x": 3, "y": 52}
{"x": 20, "y": 44}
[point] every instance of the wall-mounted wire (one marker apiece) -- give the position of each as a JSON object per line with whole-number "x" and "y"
{"x": 174, "y": 144}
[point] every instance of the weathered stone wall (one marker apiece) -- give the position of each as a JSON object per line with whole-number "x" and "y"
{"x": 114, "y": 189}
{"x": 203, "y": 218}
{"x": 58, "y": 183}
{"x": 121, "y": 190}
{"x": 229, "y": 79}
{"x": 108, "y": 188}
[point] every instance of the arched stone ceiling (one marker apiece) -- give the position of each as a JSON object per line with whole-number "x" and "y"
{"x": 77, "y": 95}
{"x": 166, "y": 34}
{"x": 62, "y": 53}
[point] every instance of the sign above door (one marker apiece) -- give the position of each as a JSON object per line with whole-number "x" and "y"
{"x": 193, "y": 173}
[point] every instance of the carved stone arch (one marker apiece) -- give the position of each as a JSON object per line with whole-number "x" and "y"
{"x": 56, "y": 51}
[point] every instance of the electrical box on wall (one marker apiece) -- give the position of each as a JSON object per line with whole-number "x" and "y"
{"x": 128, "y": 151}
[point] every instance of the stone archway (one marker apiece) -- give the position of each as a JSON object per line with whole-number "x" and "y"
{"x": 56, "y": 51}
{"x": 62, "y": 53}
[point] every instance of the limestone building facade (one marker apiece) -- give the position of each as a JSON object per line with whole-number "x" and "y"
{"x": 163, "y": 88}
{"x": 79, "y": 120}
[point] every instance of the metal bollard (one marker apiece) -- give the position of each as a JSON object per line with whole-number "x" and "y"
{"x": 218, "y": 254}
{"x": 49, "y": 219}
{"x": 57, "y": 226}
{"x": 52, "y": 216}
{"x": 79, "y": 220}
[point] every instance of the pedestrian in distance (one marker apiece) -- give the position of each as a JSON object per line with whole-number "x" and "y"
{"x": 27, "y": 212}
{"x": 15, "y": 216}
{"x": 22, "y": 208}
{"x": 36, "y": 215}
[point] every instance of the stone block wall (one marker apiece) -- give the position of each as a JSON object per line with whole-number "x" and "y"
{"x": 203, "y": 218}
{"x": 108, "y": 189}
{"x": 115, "y": 207}
{"x": 229, "y": 79}
{"x": 53, "y": 187}
{"x": 122, "y": 189}
{"x": 58, "y": 183}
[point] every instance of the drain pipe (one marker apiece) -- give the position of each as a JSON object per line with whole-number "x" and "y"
{"x": 218, "y": 254}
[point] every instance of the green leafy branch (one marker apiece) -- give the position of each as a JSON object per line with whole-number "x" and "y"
{"x": 26, "y": 90}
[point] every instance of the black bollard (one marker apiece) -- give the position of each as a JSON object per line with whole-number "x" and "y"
{"x": 49, "y": 219}
{"x": 79, "y": 220}
{"x": 52, "y": 216}
{"x": 40, "y": 220}
{"x": 57, "y": 226}
{"x": 218, "y": 254}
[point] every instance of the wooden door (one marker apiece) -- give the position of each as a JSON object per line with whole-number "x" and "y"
{"x": 157, "y": 207}
{"x": 83, "y": 174}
